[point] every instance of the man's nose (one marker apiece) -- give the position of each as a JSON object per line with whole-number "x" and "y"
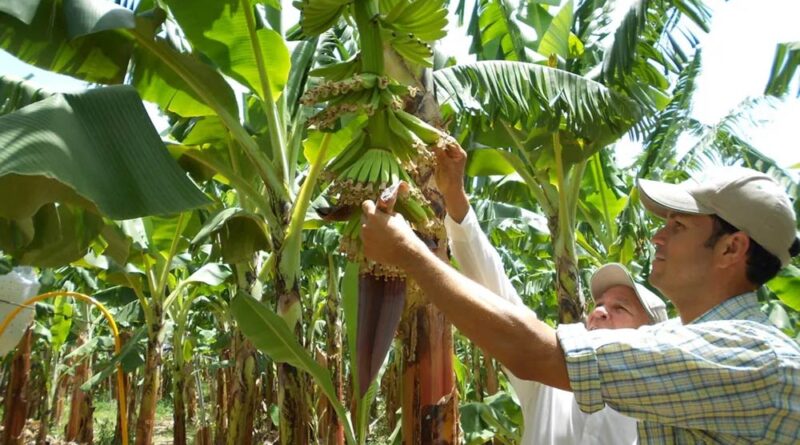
{"x": 659, "y": 238}
{"x": 599, "y": 313}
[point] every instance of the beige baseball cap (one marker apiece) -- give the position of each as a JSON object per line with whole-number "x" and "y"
{"x": 615, "y": 274}
{"x": 749, "y": 200}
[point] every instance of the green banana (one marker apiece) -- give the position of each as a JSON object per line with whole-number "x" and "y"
{"x": 397, "y": 11}
{"x": 338, "y": 71}
{"x": 412, "y": 49}
{"x": 415, "y": 211}
{"x": 375, "y": 168}
{"x": 389, "y": 165}
{"x": 351, "y": 152}
{"x": 425, "y": 19}
{"x": 425, "y": 131}
{"x": 316, "y": 16}
{"x": 366, "y": 166}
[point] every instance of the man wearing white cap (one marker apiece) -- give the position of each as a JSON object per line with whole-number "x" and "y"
{"x": 719, "y": 374}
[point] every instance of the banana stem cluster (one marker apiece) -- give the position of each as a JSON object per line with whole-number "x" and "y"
{"x": 393, "y": 145}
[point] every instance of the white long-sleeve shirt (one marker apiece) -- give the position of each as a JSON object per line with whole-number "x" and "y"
{"x": 551, "y": 415}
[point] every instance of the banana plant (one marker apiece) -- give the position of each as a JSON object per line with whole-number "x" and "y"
{"x": 593, "y": 66}
{"x": 97, "y": 40}
{"x": 57, "y": 327}
{"x": 72, "y": 182}
{"x": 374, "y": 95}
{"x": 207, "y": 280}
{"x": 551, "y": 122}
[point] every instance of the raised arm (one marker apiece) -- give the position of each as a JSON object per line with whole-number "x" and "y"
{"x": 509, "y": 332}
{"x": 471, "y": 248}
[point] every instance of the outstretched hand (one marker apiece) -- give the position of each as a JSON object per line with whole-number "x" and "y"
{"x": 387, "y": 238}
{"x": 450, "y": 165}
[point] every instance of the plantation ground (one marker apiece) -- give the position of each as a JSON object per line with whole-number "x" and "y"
{"x": 105, "y": 414}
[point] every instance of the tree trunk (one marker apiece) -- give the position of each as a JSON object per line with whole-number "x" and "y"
{"x": 145, "y": 424}
{"x": 16, "y": 402}
{"x": 430, "y": 399}
{"x": 390, "y": 387}
{"x": 295, "y": 425}
{"x": 568, "y": 284}
{"x": 191, "y": 393}
{"x": 203, "y": 436}
{"x": 58, "y": 410}
{"x": 331, "y": 429}
{"x": 223, "y": 390}
{"x": 562, "y": 231}
{"x": 491, "y": 374}
{"x": 295, "y": 415}
{"x": 79, "y": 425}
{"x": 50, "y": 362}
{"x": 242, "y": 396}
{"x": 178, "y": 402}
{"x": 270, "y": 393}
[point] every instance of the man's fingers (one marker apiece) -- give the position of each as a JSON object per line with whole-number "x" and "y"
{"x": 442, "y": 154}
{"x": 450, "y": 153}
{"x": 368, "y": 207}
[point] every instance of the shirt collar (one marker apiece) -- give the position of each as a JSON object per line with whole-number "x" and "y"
{"x": 740, "y": 307}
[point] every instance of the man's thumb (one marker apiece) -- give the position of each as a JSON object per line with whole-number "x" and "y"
{"x": 368, "y": 207}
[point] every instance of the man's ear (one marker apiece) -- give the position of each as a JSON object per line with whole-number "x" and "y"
{"x": 733, "y": 249}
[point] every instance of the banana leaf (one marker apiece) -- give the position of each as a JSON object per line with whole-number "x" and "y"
{"x": 96, "y": 149}
{"x": 537, "y": 97}
{"x": 79, "y": 38}
{"x": 271, "y": 335}
{"x": 68, "y": 160}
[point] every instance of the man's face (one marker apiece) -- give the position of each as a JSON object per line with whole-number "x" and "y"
{"x": 682, "y": 261}
{"x": 617, "y": 308}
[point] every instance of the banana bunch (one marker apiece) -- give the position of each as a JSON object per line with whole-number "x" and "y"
{"x": 316, "y": 16}
{"x": 411, "y": 48}
{"x": 409, "y": 26}
{"x": 364, "y": 177}
{"x": 363, "y": 92}
{"x": 426, "y": 19}
{"x": 361, "y": 170}
{"x": 376, "y": 167}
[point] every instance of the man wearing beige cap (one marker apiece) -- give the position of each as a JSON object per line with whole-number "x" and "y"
{"x": 721, "y": 373}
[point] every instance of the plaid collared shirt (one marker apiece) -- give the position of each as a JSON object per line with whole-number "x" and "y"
{"x": 729, "y": 377}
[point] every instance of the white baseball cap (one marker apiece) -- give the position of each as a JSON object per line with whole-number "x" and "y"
{"x": 749, "y": 200}
{"x": 615, "y": 274}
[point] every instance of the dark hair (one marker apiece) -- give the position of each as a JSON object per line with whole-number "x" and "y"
{"x": 795, "y": 249}
{"x": 761, "y": 265}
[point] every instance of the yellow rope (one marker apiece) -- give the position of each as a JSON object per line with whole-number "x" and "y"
{"x": 117, "y": 345}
